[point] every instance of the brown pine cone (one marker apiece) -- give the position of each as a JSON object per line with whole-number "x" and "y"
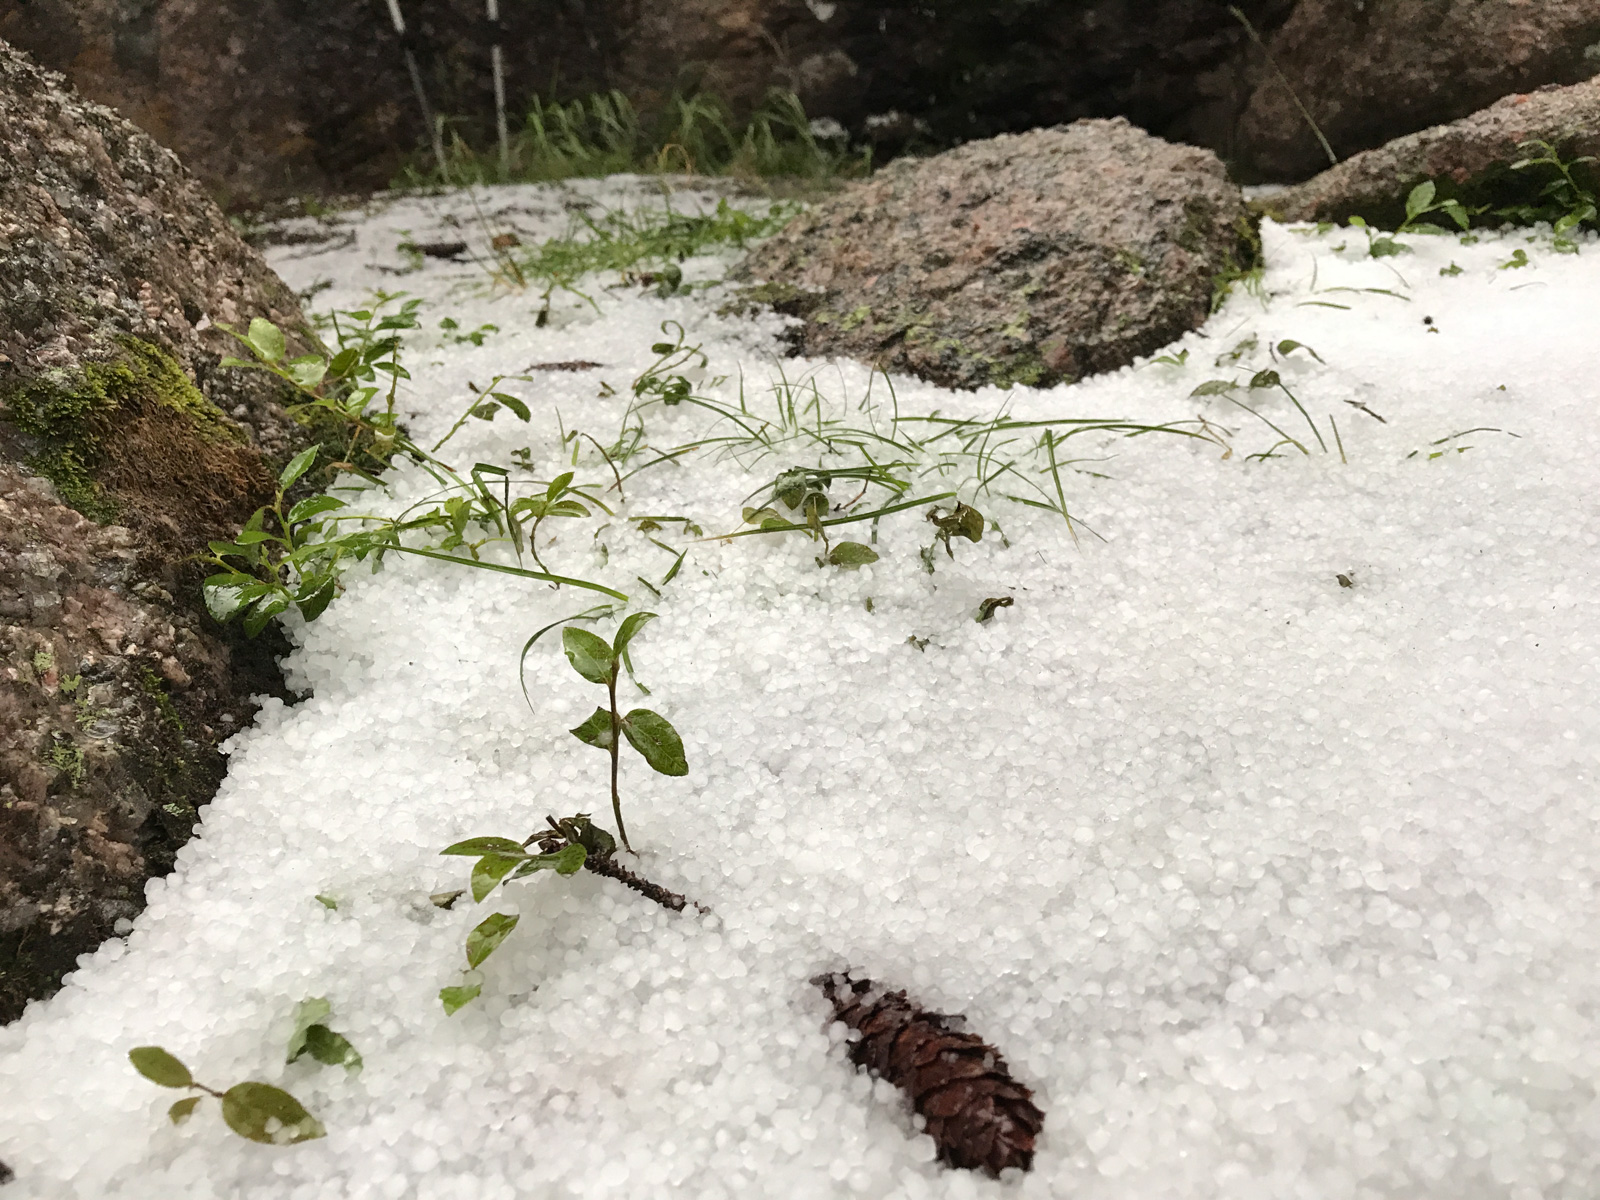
{"x": 978, "y": 1116}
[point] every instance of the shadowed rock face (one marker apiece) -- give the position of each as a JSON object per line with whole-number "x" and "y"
{"x": 1027, "y": 258}
{"x": 123, "y": 449}
{"x": 267, "y": 98}
{"x": 1469, "y": 160}
{"x": 1371, "y": 72}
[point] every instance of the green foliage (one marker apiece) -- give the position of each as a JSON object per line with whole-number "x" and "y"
{"x": 292, "y": 553}
{"x": 605, "y": 135}
{"x": 645, "y": 246}
{"x": 257, "y": 1111}
{"x": 1564, "y": 201}
{"x": 312, "y": 1036}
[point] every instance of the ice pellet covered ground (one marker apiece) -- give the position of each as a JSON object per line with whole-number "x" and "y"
{"x": 1268, "y": 886}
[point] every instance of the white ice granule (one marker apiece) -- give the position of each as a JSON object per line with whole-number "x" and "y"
{"x": 1270, "y": 887}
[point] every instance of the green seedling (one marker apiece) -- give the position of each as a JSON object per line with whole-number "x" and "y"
{"x": 476, "y": 336}
{"x": 987, "y": 609}
{"x": 649, "y": 733}
{"x": 1564, "y": 201}
{"x": 1518, "y": 259}
{"x": 257, "y": 1111}
{"x": 312, "y": 1036}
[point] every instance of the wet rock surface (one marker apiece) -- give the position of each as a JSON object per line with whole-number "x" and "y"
{"x": 1027, "y": 258}
{"x": 1470, "y": 159}
{"x": 123, "y": 449}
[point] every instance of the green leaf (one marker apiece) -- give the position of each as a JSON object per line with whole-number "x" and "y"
{"x": 759, "y": 516}
{"x": 1420, "y": 200}
{"x": 327, "y": 902}
{"x": 515, "y": 405}
{"x": 852, "y": 554}
{"x": 566, "y": 861}
{"x": 454, "y": 998}
{"x": 596, "y": 731}
{"x": 263, "y": 1113}
{"x": 558, "y": 485}
{"x": 1214, "y": 387}
{"x": 313, "y": 506}
{"x": 986, "y": 610}
{"x": 631, "y": 624}
{"x": 653, "y": 736}
{"x": 312, "y": 604}
{"x": 182, "y": 1110}
{"x": 159, "y": 1067}
{"x": 298, "y": 466}
{"x": 484, "y": 845}
{"x": 486, "y": 937}
{"x": 570, "y": 859}
{"x": 308, "y": 373}
{"x": 265, "y": 609}
{"x": 489, "y": 871}
{"x": 1265, "y": 379}
{"x": 661, "y": 348}
{"x": 1288, "y": 346}
{"x": 222, "y": 595}
{"x": 306, "y": 1014}
{"x": 332, "y": 1049}
{"x": 266, "y": 339}
{"x": 589, "y": 655}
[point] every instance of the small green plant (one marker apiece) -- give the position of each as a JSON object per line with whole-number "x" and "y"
{"x": 649, "y": 733}
{"x": 1422, "y": 201}
{"x": 450, "y": 326}
{"x": 67, "y": 758}
{"x": 1519, "y": 258}
{"x": 1564, "y": 201}
{"x": 257, "y": 1111}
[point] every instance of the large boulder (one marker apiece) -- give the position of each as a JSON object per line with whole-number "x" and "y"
{"x": 1470, "y": 160}
{"x": 1371, "y": 72}
{"x": 1027, "y": 258}
{"x": 124, "y": 447}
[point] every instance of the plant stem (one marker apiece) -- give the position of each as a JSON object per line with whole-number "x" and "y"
{"x": 616, "y": 753}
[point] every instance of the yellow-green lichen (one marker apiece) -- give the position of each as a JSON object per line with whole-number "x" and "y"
{"x": 70, "y": 416}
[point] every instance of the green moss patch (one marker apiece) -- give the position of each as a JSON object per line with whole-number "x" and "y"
{"x": 72, "y": 415}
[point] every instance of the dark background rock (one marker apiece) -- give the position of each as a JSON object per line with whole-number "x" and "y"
{"x": 270, "y": 98}
{"x": 274, "y": 98}
{"x": 116, "y": 688}
{"x": 1376, "y": 70}
{"x": 1026, "y": 258}
{"x": 1469, "y": 160}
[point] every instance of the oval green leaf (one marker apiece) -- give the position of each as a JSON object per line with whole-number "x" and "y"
{"x": 159, "y": 1067}
{"x": 653, "y": 736}
{"x": 596, "y": 731}
{"x": 485, "y": 939}
{"x": 306, "y": 1014}
{"x": 484, "y": 845}
{"x": 631, "y": 624}
{"x": 270, "y": 1115}
{"x": 182, "y": 1110}
{"x": 298, "y": 466}
{"x": 852, "y": 554}
{"x": 332, "y": 1049}
{"x": 454, "y": 998}
{"x": 266, "y": 339}
{"x": 589, "y": 655}
{"x": 489, "y": 871}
